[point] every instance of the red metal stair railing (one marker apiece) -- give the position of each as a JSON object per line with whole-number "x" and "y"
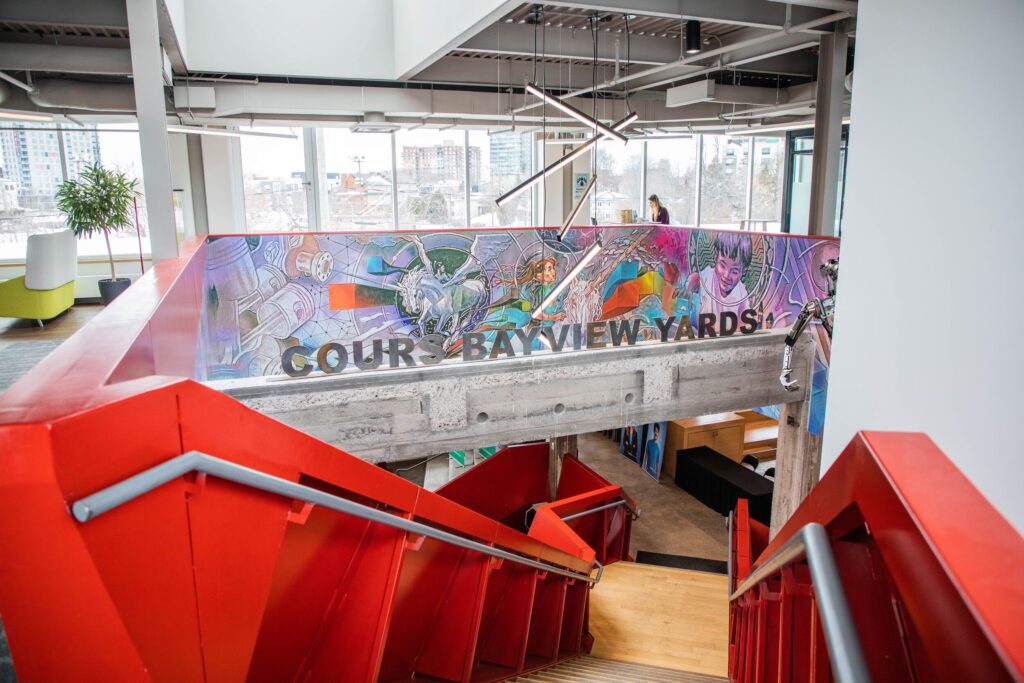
{"x": 884, "y": 573}
{"x": 282, "y": 558}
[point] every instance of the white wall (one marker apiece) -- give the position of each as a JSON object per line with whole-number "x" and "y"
{"x": 321, "y": 38}
{"x": 928, "y": 336}
{"x": 176, "y": 11}
{"x": 423, "y": 29}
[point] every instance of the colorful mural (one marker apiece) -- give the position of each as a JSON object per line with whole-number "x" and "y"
{"x": 265, "y": 293}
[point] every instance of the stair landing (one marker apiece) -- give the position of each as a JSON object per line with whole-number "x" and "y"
{"x": 675, "y": 619}
{"x": 596, "y": 670}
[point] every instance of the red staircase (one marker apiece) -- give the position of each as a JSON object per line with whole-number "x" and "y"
{"x": 154, "y": 529}
{"x": 894, "y": 568}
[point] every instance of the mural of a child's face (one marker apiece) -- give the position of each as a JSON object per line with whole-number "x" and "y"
{"x": 547, "y": 274}
{"x": 728, "y": 271}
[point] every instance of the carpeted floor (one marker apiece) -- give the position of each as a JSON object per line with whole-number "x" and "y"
{"x": 17, "y": 358}
{"x": 672, "y": 522}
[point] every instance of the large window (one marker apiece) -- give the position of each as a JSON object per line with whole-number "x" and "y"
{"x": 504, "y": 161}
{"x": 672, "y": 175}
{"x": 618, "y": 181}
{"x": 801, "y": 153}
{"x": 274, "y": 182}
{"x": 766, "y": 193}
{"x": 358, "y": 180}
{"x": 723, "y": 188}
{"x": 38, "y": 157}
{"x": 431, "y": 177}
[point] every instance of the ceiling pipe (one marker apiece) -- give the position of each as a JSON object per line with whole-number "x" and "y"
{"x": 14, "y": 81}
{"x": 71, "y": 59}
{"x": 685, "y": 61}
{"x": 58, "y": 93}
{"x": 834, "y": 5}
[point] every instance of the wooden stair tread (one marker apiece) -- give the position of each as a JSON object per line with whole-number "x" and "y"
{"x": 590, "y": 669}
{"x": 660, "y": 616}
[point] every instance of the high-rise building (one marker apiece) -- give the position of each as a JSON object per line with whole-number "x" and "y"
{"x": 441, "y": 162}
{"x": 510, "y": 154}
{"x": 31, "y": 158}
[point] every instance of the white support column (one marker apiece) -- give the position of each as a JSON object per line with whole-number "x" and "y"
{"x": 828, "y": 131}
{"x": 467, "y": 169}
{"x": 643, "y": 179}
{"x": 697, "y": 180}
{"x": 151, "y": 111}
{"x": 750, "y": 178}
{"x": 316, "y": 192}
{"x": 222, "y": 177}
{"x": 197, "y": 181}
{"x": 394, "y": 180}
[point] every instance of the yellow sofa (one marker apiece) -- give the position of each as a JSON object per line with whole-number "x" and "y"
{"x": 47, "y": 288}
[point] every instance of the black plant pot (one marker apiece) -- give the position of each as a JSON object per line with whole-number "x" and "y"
{"x": 111, "y": 289}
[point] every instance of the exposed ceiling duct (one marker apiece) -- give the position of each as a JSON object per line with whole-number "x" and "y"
{"x": 70, "y": 59}
{"x": 375, "y": 122}
{"x": 59, "y": 93}
{"x": 710, "y": 91}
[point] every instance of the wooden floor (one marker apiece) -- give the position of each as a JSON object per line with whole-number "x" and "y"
{"x": 61, "y": 327}
{"x": 672, "y": 618}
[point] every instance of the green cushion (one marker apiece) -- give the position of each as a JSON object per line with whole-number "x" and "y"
{"x": 16, "y": 301}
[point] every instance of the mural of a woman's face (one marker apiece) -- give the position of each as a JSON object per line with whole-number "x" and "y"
{"x": 547, "y": 274}
{"x": 728, "y": 271}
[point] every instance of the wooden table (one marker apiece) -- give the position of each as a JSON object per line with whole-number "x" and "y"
{"x": 723, "y": 432}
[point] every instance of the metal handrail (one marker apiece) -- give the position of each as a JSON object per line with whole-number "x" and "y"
{"x": 844, "y": 648}
{"x": 591, "y": 511}
{"x": 728, "y": 557}
{"x": 117, "y": 494}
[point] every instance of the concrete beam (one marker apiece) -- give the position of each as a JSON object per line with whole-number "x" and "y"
{"x": 399, "y": 414}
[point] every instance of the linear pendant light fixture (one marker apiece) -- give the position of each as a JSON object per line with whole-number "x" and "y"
{"x": 555, "y": 165}
{"x": 16, "y": 115}
{"x": 567, "y": 223}
{"x": 196, "y": 130}
{"x": 575, "y": 113}
{"x": 577, "y": 269}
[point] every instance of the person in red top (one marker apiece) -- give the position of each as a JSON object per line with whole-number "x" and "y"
{"x": 659, "y": 214}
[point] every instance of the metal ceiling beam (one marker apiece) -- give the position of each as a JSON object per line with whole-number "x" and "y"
{"x": 474, "y": 70}
{"x": 92, "y": 13}
{"x": 755, "y": 13}
{"x": 832, "y": 5}
{"x": 517, "y": 39}
{"x": 65, "y": 59}
{"x": 725, "y": 49}
{"x": 764, "y": 57}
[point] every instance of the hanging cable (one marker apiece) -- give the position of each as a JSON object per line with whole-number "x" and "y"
{"x": 593, "y": 94}
{"x": 625, "y": 72}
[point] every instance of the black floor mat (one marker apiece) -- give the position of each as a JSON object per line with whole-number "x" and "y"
{"x": 681, "y": 562}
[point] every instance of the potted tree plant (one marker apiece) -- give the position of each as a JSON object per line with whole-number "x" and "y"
{"x": 99, "y": 201}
